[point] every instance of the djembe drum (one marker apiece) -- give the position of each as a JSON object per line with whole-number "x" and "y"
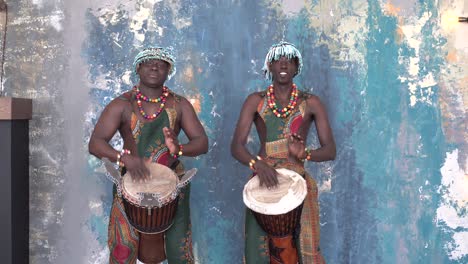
{"x": 278, "y": 212}
{"x": 150, "y": 207}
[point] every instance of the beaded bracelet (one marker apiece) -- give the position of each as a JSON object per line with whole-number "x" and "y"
{"x": 120, "y": 155}
{"x": 253, "y": 161}
{"x": 308, "y": 153}
{"x": 251, "y": 164}
{"x": 180, "y": 153}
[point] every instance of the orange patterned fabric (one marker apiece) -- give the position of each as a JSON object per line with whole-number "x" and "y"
{"x": 123, "y": 238}
{"x": 310, "y": 226}
{"x": 309, "y": 238}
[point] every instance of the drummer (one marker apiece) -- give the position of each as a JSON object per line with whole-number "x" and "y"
{"x": 282, "y": 115}
{"x": 149, "y": 117}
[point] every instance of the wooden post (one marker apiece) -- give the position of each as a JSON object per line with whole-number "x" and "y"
{"x": 15, "y": 114}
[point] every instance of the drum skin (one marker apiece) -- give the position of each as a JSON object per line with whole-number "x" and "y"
{"x": 278, "y": 210}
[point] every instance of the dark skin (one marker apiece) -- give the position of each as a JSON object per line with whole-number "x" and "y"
{"x": 117, "y": 117}
{"x": 283, "y": 72}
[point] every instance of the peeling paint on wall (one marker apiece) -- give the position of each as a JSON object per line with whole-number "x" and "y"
{"x": 451, "y": 214}
{"x": 392, "y": 74}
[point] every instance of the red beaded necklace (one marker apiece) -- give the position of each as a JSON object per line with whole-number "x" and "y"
{"x": 286, "y": 111}
{"x": 140, "y": 96}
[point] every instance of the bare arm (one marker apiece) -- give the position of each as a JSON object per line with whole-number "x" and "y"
{"x": 105, "y": 128}
{"x": 198, "y": 141}
{"x": 327, "y": 150}
{"x": 108, "y": 124}
{"x": 239, "y": 151}
{"x": 244, "y": 124}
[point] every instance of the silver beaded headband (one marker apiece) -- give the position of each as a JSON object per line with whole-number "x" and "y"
{"x": 282, "y": 49}
{"x": 156, "y": 53}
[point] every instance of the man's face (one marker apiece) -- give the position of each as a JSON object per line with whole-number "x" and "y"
{"x": 283, "y": 70}
{"x": 153, "y": 72}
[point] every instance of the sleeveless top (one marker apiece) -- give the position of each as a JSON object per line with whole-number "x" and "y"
{"x": 278, "y": 128}
{"x": 149, "y": 136}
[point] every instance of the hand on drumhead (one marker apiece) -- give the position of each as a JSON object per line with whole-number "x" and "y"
{"x": 266, "y": 174}
{"x": 137, "y": 167}
{"x": 171, "y": 141}
{"x": 296, "y": 146}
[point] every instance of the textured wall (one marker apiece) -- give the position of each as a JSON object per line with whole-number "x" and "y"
{"x": 392, "y": 74}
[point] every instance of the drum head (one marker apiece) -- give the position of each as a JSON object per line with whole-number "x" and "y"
{"x": 289, "y": 194}
{"x": 163, "y": 181}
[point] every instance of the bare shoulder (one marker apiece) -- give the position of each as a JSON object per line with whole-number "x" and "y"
{"x": 254, "y": 98}
{"x": 121, "y": 103}
{"x": 313, "y": 102}
{"x": 258, "y": 95}
{"x": 180, "y": 101}
{"x": 313, "y": 99}
{"x": 177, "y": 97}
{"x": 309, "y": 97}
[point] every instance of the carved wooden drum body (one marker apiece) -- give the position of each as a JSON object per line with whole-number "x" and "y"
{"x": 151, "y": 206}
{"x": 278, "y": 211}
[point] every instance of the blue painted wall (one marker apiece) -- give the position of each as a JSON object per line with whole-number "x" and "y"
{"x": 392, "y": 74}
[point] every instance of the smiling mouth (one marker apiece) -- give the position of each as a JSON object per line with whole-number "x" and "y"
{"x": 283, "y": 73}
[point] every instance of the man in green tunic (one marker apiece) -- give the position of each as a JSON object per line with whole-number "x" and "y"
{"x": 149, "y": 117}
{"x": 282, "y": 115}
